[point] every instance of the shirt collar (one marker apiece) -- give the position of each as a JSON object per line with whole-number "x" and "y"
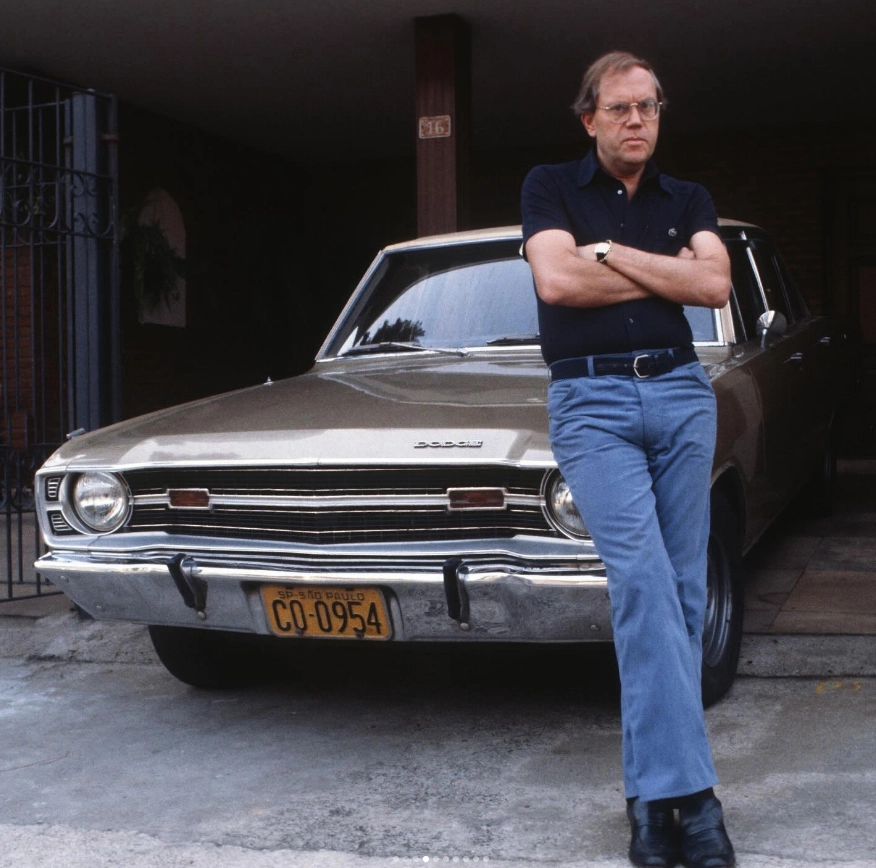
{"x": 590, "y": 168}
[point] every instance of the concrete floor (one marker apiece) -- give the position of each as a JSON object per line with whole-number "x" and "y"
{"x": 818, "y": 576}
{"x": 511, "y": 760}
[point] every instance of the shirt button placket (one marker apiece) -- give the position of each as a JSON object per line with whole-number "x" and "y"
{"x": 623, "y": 220}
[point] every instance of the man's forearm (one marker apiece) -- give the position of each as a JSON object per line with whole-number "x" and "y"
{"x": 564, "y": 276}
{"x": 685, "y": 279}
{"x": 569, "y": 275}
{"x": 587, "y": 284}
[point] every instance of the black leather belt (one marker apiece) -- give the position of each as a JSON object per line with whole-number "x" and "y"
{"x": 641, "y": 365}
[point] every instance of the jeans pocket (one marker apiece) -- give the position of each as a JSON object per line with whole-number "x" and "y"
{"x": 558, "y": 391}
{"x": 700, "y": 373}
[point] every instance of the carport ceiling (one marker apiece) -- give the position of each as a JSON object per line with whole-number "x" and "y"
{"x": 335, "y": 78}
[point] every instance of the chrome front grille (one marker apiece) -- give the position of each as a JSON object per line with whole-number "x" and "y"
{"x": 53, "y": 487}
{"x": 338, "y": 505}
{"x": 60, "y": 527}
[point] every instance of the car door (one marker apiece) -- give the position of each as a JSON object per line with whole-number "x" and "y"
{"x": 790, "y": 377}
{"x": 820, "y": 348}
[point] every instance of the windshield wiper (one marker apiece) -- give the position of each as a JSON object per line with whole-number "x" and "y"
{"x": 514, "y": 340}
{"x": 397, "y": 346}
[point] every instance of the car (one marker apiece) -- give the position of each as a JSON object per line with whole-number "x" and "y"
{"x": 404, "y": 490}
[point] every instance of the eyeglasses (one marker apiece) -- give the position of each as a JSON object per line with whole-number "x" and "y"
{"x": 620, "y": 111}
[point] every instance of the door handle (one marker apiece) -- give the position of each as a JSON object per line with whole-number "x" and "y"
{"x": 795, "y": 359}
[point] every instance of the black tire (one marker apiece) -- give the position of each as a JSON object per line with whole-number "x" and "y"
{"x": 722, "y": 633}
{"x": 211, "y": 659}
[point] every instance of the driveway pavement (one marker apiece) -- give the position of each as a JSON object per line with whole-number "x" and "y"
{"x": 381, "y": 760}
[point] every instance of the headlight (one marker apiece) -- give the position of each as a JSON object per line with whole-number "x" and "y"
{"x": 100, "y": 501}
{"x": 561, "y": 509}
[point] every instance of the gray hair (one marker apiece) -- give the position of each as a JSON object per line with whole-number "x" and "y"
{"x": 614, "y": 61}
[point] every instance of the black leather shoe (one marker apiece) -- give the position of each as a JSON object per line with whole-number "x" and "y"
{"x": 654, "y": 842}
{"x": 704, "y": 841}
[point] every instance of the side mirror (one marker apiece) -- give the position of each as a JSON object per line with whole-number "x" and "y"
{"x": 771, "y": 322}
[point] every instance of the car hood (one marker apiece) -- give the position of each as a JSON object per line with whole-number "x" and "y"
{"x": 398, "y": 410}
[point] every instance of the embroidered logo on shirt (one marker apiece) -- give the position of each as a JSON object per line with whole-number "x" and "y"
{"x": 673, "y": 232}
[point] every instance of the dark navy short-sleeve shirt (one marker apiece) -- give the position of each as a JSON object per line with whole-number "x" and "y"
{"x": 582, "y": 199}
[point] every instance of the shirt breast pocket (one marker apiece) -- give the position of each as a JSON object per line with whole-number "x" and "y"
{"x": 666, "y": 240}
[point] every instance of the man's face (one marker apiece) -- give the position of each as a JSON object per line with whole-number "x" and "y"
{"x": 623, "y": 148}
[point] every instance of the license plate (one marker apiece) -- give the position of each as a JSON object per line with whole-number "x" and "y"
{"x": 336, "y": 612}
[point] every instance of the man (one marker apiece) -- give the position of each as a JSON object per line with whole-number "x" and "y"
{"x": 616, "y": 248}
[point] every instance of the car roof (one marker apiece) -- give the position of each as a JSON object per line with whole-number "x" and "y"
{"x": 507, "y": 233}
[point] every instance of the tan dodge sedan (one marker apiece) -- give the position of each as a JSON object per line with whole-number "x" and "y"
{"x": 404, "y": 489}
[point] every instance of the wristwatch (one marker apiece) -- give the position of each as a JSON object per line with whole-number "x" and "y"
{"x": 602, "y": 250}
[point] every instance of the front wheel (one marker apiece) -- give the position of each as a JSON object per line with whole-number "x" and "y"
{"x": 211, "y": 659}
{"x": 722, "y": 633}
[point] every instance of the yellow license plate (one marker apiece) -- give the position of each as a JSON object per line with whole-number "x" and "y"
{"x": 336, "y": 612}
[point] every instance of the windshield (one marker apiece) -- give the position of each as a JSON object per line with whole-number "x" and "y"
{"x": 464, "y": 295}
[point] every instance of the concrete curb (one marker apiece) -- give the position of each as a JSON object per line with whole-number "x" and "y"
{"x": 787, "y": 656}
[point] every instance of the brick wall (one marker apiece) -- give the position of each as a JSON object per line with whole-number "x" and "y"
{"x": 30, "y": 371}
{"x": 16, "y": 346}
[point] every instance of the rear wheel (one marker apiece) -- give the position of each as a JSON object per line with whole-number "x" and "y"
{"x": 722, "y": 632}
{"x": 211, "y": 659}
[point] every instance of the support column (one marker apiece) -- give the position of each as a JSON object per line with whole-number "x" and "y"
{"x": 443, "y": 45}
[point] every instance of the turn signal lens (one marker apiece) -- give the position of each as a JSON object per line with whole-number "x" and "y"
{"x": 476, "y": 498}
{"x": 189, "y": 498}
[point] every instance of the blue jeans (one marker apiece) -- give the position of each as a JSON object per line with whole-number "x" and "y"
{"x": 637, "y": 455}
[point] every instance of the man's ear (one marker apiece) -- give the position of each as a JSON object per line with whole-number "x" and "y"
{"x": 587, "y": 121}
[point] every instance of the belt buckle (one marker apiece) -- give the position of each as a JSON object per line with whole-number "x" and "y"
{"x": 636, "y": 366}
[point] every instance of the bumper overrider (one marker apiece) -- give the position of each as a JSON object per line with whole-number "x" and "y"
{"x": 528, "y": 595}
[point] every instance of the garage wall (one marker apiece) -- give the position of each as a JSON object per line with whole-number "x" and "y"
{"x": 273, "y": 251}
{"x": 786, "y": 180}
{"x": 276, "y": 248}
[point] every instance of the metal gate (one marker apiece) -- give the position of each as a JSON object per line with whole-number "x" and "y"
{"x": 59, "y": 287}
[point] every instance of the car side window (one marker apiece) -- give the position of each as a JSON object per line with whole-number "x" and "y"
{"x": 749, "y": 304}
{"x": 770, "y": 282}
{"x": 796, "y": 302}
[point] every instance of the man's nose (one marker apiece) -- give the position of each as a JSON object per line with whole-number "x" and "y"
{"x": 635, "y": 119}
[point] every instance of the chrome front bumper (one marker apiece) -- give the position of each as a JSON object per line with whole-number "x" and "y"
{"x": 507, "y": 601}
